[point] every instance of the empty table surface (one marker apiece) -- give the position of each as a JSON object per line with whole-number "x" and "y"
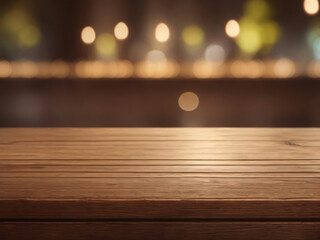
{"x": 204, "y": 181}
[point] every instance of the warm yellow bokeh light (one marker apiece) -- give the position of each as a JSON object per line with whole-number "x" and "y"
{"x": 88, "y": 35}
{"x": 311, "y": 7}
{"x": 59, "y": 69}
{"x": 232, "y": 28}
{"x": 255, "y": 69}
{"x": 206, "y": 69}
{"x": 156, "y": 56}
{"x": 5, "y": 69}
{"x": 121, "y": 31}
{"x": 26, "y": 69}
{"x": 156, "y": 65}
{"x": 106, "y": 45}
{"x": 188, "y": 101}
{"x": 193, "y": 35}
{"x": 157, "y": 70}
{"x": 238, "y": 69}
{"x": 313, "y": 69}
{"x": 162, "y": 32}
{"x": 284, "y": 68}
{"x": 124, "y": 70}
{"x": 87, "y": 69}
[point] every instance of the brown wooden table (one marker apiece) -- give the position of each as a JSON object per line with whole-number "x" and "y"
{"x": 152, "y": 183}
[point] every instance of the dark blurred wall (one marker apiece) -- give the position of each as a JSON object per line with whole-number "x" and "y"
{"x": 133, "y": 103}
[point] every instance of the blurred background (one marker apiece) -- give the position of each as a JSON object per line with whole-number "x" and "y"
{"x": 168, "y": 63}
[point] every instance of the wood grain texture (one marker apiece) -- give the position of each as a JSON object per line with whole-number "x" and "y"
{"x": 159, "y": 144}
{"x": 182, "y": 175}
{"x": 217, "y": 149}
{"x": 210, "y": 209}
{"x": 161, "y": 230}
{"x": 160, "y": 188}
{"x": 10, "y": 135}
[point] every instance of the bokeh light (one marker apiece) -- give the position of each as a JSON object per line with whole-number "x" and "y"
{"x": 313, "y": 34}
{"x": 28, "y": 40}
{"x": 5, "y": 69}
{"x": 270, "y": 32}
{"x": 205, "y": 69}
{"x": 248, "y": 69}
{"x": 258, "y": 9}
{"x": 152, "y": 70}
{"x": 121, "y": 31}
{"x": 311, "y": 7}
{"x": 88, "y": 35}
{"x": 59, "y": 69}
{"x": 162, "y": 32}
{"x": 188, "y": 101}
{"x": 232, "y": 28}
{"x": 84, "y": 69}
{"x": 215, "y": 53}
{"x": 316, "y": 48}
{"x": 100, "y": 69}
{"x": 106, "y": 45}
{"x": 20, "y": 28}
{"x": 25, "y": 69}
{"x": 313, "y": 37}
{"x": 238, "y": 69}
{"x": 255, "y": 69}
{"x": 284, "y": 68}
{"x": 15, "y": 20}
{"x": 124, "y": 69}
{"x": 29, "y": 36}
{"x": 250, "y": 40}
{"x": 258, "y": 32}
{"x": 193, "y": 35}
{"x": 156, "y": 56}
{"x": 156, "y": 66}
{"x": 313, "y": 69}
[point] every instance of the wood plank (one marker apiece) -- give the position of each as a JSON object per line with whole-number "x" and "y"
{"x": 160, "y": 230}
{"x": 160, "y": 188}
{"x": 166, "y": 169}
{"x": 151, "y": 162}
{"x": 210, "y": 209}
{"x": 306, "y": 149}
{"x": 160, "y": 174}
{"x": 19, "y": 175}
{"x": 11, "y": 135}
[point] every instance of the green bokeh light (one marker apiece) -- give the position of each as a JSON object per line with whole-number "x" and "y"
{"x": 106, "y": 45}
{"x": 193, "y": 35}
{"x": 258, "y": 32}
{"x": 29, "y": 36}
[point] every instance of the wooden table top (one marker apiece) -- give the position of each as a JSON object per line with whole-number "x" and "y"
{"x": 160, "y": 173}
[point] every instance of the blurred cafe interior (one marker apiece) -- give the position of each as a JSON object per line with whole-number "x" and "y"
{"x": 168, "y": 63}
